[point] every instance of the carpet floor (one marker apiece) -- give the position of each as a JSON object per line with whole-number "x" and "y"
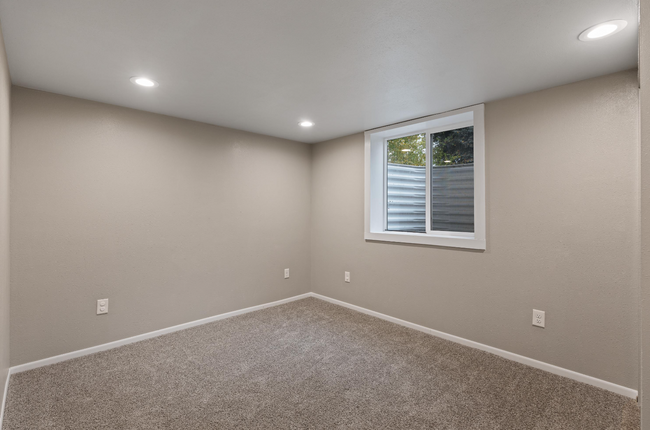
{"x": 307, "y": 364}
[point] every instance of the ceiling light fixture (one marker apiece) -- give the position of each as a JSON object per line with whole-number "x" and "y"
{"x": 306, "y": 123}
{"x": 144, "y": 82}
{"x": 602, "y": 30}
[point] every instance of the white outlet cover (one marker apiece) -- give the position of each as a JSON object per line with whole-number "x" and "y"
{"x": 286, "y": 273}
{"x": 102, "y": 306}
{"x": 539, "y": 318}
{"x": 347, "y": 276}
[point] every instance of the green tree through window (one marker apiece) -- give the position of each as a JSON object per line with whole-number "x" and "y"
{"x": 447, "y": 147}
{"x": 453, "y": 147}
{"x": 408, "y": 150}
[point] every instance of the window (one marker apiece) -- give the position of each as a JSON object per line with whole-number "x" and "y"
{"x": 425, "y": 181}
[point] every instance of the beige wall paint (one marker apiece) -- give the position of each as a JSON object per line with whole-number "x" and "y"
{"x": 563, "y": 226}
{"x": 5, "y": 92}
{"x": 170, "y": 219}
{"x": 644, "y": 75}
{"x": 161, "y": 215}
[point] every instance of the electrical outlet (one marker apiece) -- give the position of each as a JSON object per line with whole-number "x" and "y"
{"x": 347, "y": 276}
{"x": 539, "y": 318}
{"x": 102, "y": 306}
{"x": 286, "y": 273}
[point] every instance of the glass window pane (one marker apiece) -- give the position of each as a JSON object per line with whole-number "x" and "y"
{"x": 452, "y": 180}
{"x": 406, "y": 184}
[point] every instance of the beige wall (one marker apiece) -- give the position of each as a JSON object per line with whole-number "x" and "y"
{"x": 563, "y": 226}
{"x": 170, "y": 219}
{"x": 644, "y": 75}
{"x": 5, "y": 91}
{"x": 174, "y": 220}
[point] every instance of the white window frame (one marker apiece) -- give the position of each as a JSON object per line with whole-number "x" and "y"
{"x": 376, "y": 176}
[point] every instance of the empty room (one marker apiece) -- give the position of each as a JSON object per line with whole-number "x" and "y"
{"x": 334, "y": 214}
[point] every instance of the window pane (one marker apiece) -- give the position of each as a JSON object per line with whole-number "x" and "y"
{"x": 406, "y": 184}
{"x": 452, "y": 180}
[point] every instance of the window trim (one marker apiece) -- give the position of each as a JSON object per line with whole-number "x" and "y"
{"x": 376, "y": 140}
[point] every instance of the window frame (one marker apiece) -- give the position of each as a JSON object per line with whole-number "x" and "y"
{"x": 376, "y": 142}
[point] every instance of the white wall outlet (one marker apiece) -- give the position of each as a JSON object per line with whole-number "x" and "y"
{"x": 347, "y": 276}
{"x": 539, "y": 318}
{"x": 286, "y": 273}
{"x": 102, "y": 306}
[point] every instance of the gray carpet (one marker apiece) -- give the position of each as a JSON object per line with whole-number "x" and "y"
{"x": 306, "y": 364}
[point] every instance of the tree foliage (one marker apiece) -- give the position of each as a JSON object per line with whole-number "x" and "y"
{"x": 453, "y": 147}
{"x": 447, "y": 147}
{"x": 409, "y": 150}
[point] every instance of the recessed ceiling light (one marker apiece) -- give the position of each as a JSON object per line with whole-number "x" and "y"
{"x": 602, "y": 30}
{"x": 144, "y": 82}
{"x": 306, "y": 123}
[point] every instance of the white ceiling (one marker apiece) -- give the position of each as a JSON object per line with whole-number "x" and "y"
{"x": 347, "y": 65}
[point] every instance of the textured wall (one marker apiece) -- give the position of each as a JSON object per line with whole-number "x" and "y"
{"x": 563, "y": 226}
{"x": 5, "y": 91}
{"x": 644, "y": 75}
{"x": 172, "y": 220}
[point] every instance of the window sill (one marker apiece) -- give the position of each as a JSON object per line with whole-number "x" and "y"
{"x": 426, "y": 239}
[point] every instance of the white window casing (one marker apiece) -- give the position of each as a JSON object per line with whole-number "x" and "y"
{"x": 376, "y": 174}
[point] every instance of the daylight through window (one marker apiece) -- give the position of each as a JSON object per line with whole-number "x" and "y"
{"x": 425, "y": 181}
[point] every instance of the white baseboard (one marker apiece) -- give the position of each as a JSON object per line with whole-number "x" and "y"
{"x": 138, "y": 338}
{"x": 619, "y": 389}
{"x": 629, "y": 392}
